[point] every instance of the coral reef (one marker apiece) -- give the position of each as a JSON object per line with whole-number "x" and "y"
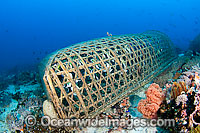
{"x": 183, "y": 105}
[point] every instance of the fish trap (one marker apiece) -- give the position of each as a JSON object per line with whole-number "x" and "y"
{"x": 85, "y": 79}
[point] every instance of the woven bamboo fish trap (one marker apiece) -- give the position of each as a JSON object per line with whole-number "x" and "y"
{"x": 85, "y": 79}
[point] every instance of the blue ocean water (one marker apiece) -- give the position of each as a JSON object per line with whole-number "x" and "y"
{"x": 29, "y": 30}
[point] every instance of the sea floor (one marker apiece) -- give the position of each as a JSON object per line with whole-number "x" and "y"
{"x": 19, "y": 101}
{"x": 23, "y": 95}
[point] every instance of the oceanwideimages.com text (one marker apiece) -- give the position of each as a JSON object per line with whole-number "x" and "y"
{"x": 96, "y": 122}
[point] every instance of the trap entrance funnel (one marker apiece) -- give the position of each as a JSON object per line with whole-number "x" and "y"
{"x": 84, "y": 79}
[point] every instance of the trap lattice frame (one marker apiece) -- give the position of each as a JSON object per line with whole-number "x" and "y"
{"x": 85, "y": 79}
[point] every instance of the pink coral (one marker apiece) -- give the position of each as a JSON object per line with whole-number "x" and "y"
{"x": 148, "y": 111}
{"x": 154, "y": 99}
{"x": 141, "y": 105}
{"x": 153, "y": 107}
{"x": 149, "y": 106}
{"x": 154, "y": 94}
